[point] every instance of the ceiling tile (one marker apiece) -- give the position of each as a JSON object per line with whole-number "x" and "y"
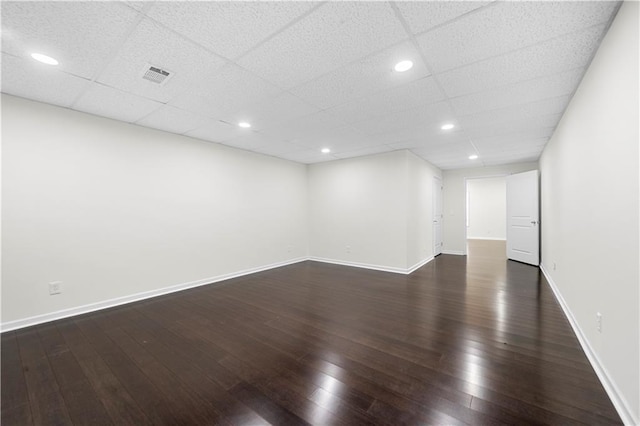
{"x": 113, "y": 103}
{"x": 563, "y": 83}
{"x": 277, "y": 148}
{"x": 254, "y": 141}
{"x": 80, "y": 35}
{"x": 513, "y": 145}
{"x": 333, "y": 35}
{"x": 307, "y": 125}
{"x": 537, "y": 134}
{"x": 340, "y": 139}
{"x": 542, "y": 123}
{"x": 516, "y": 113}
{"x": 40, "y": 82}
{"x": 424, "y": 15}
{"x": 314, "y": 75}
{"x": 152, "y": 44}
{"x": 507, "y": 26}
{"x": 548, "y": 58}
{"x": 430, "y": 138}
{"x": 137, "y": 5}
{"x": 408, "y": 96}
{"x": 425, "y": 116}
{"x": 224, "y": 92}
{"x": 217, "y": 131}
{"x": 363, "y": 77}
{"x": 229, "y": 28}
{"x": 174, "y": 120}
{"x": 447, "y": 155}
{"x": 363, "y": 151}
{"x": 283, "y": 107}
{"x": 308, "y": 156}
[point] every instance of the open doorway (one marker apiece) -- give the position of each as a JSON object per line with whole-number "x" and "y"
{"x": 486, "y": 216}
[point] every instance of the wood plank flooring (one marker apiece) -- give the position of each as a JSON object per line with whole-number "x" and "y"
{"x": 471, "y": 339}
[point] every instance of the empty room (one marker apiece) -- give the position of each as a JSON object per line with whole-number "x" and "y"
{"x": 338, "y": 212}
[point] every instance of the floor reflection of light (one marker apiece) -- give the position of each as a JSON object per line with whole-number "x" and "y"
{"x": 501, "y": 312}
{"x": 326, "y": 399}
{"x": 333, "y": 370}
{"x": 472, "y": 374}
{"x": 330, "y": 384}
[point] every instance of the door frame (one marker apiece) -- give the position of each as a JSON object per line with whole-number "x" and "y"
{"x": 433, "y": 204}
{"x": 466, "y": 201}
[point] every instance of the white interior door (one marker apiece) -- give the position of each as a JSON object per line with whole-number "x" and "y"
{"x": 523, "y": 220}
{"x": 437, "y": 216}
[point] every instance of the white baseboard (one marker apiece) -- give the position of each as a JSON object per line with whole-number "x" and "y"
{"x": 618, "y": 400}
{"x": 395, "y": 270}
{"x": 65, "y": 313}
{"x": 455, "y": 252}
{"x": 419, "y": 264}
{"x": 91, "y": 307}
{"x": 487, "y": 238}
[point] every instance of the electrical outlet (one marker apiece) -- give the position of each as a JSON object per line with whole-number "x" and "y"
{"x": 348, "y": 249}
{"x": 289, "y": 249}
{"x": 599, "y": 322}
{"x": 55, "y": 287}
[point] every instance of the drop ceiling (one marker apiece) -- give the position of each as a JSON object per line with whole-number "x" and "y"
{"x": 310, "y": 75}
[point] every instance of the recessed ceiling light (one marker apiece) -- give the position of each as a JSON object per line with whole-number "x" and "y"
{"x": 44, "y": 59}
{"x": 244, "y": 124}
{"x": 325, "y": 150}
{"x": 447, "y": 126}
{"x": 403, "y": 66}
{"x": 473, "y": 157}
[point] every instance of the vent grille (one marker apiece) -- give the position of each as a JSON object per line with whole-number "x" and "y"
{"x": 156, "y": 75}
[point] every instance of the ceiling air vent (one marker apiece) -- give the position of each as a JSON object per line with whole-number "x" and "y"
{"x": 156, "y": 75}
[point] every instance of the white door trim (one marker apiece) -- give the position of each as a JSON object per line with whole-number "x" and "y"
{"x": 466, "y": 202}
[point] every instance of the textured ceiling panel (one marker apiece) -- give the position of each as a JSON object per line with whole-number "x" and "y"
{"x": 309, "y": 75}
{"x": 152, "y": 44}
{"x": 298, "y": 128}
{"x": 173, "y": 120}
{"x": 340, "y": 139}
{"x": 507, "y": 26}
{"x": 430, "y": 138}
{"x": 361, "y": 152}
{"x": 228, "y": 28}
{"x": 432, "y": 115}
{"x": 390, "y": 101}
{"x": 540, "y": 123}
{"x": 519, "y": 93}
{"x": 507, "y": 138}
{"x": 517, "y": 113}
{"x": 334, "y": 35}
{"x": 113, "y": 103}
{"x": 544, "y": 59}
{"x": 363, "y": 77}
{"x": 216, "y": 131}
{"x": 80, "y": 35}
{"x": 308, "y": 156}
{"x": 422, "y": 16}
{"x": 224, "y": 92}
{"x": 272, "y": 111}
{"x": 273, "y": 148}
{"x": 33, "y": 80}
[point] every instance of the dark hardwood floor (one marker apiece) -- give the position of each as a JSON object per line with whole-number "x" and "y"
{"x": 464, "y": 340}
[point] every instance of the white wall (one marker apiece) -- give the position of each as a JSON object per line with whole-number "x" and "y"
{"x": 590, "y": 214}
{"x": 454, "y": 196}
{"x": 487, "y": 208}
{"x": 112, "y": 209}
{"x": 420, "y": 210}
{"x": 371, "y": 211}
